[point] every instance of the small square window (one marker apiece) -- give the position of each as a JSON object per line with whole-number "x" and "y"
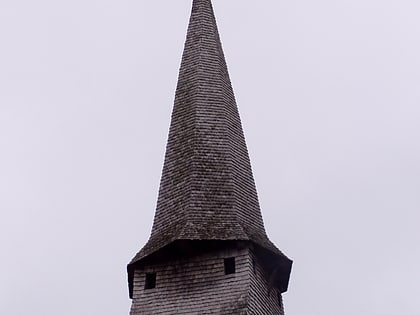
{"x": 150, "y": 280}
{"x": 229, "y": 265}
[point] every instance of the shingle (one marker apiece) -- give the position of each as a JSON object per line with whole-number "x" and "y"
{"x": 207, "y": 190}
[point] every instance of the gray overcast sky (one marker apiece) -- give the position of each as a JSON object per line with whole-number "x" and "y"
{"x": 329, "y": 95}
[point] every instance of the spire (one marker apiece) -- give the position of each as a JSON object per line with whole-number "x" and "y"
{"x": 207, "y": 190}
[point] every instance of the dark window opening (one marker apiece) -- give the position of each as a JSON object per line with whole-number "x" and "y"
{"x": 229, "y": 265}
{"x": 150, "y": 281}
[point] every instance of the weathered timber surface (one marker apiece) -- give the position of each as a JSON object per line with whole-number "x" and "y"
{"x": 207, "y": 197}
{"x": 198, "y": 285}
{"x": 207, "y": 190}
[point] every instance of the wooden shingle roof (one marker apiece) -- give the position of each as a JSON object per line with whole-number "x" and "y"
{"x": 207, "y": 190}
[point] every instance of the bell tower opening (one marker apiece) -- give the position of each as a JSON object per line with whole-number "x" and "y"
{"x": 230, "y": 266}
{"x": 150, "y": 281}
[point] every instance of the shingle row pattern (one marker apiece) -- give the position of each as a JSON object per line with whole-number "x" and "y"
{"x": 207, "y": 190}
{"x": 264, "y": 298}
{"x": 195, "y": 285}
{"x": 198, "y": 285}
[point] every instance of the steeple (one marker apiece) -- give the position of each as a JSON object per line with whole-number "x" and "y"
{"x": 207, "y": 191}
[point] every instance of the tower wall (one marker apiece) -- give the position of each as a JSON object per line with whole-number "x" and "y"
{"x": 264, "y": 298}
{"x": 195, "y": 285}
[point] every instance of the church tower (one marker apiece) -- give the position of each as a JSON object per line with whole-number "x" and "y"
{"x": 208, "y": 252}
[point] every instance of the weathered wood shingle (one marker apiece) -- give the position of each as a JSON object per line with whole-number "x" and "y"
{"x": 207, "y": 190}
{"x": 195, "y": 284}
